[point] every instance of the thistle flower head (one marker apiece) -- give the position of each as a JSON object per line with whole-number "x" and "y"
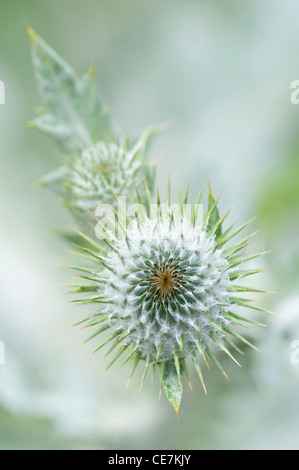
{"x": 166, "y": 291}
{"x": 103, "y": 170}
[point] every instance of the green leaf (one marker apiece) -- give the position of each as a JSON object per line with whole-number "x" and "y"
{"x": 172, "y": 386}
{"x": 73, "y": 113}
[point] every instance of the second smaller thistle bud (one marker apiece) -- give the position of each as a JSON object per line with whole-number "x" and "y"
{"x": 103, "y": 171}
{"x": 166, "y": 292}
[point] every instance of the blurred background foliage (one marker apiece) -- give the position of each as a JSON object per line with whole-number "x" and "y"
{"x": 222, "y": 72}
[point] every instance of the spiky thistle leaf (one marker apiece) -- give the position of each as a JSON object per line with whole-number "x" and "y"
{"x": 73, "y": 113}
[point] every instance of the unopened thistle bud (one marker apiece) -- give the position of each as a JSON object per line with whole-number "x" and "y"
{"x": 166, "y": 292}
{"x": 105, "y": 171}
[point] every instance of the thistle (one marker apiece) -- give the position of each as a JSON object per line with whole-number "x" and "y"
{"x": 95, "y": 175}
{"x": 98, "y": 162}
{"x": 166, "y": 291}
{"x": 165, "y": 283}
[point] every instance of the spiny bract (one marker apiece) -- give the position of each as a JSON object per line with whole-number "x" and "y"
{"x": 166, "y": 290}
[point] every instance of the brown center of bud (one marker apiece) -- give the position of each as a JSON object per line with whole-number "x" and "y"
{"x": 165, "y": 281}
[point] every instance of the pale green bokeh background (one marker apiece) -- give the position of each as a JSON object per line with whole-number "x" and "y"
{"x": 222, "y": 72}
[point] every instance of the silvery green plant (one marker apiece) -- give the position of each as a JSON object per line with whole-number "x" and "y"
{"x": 99, "y": 164}
{"x": 166, "y": 290}
{"x": 165, "y": 284}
